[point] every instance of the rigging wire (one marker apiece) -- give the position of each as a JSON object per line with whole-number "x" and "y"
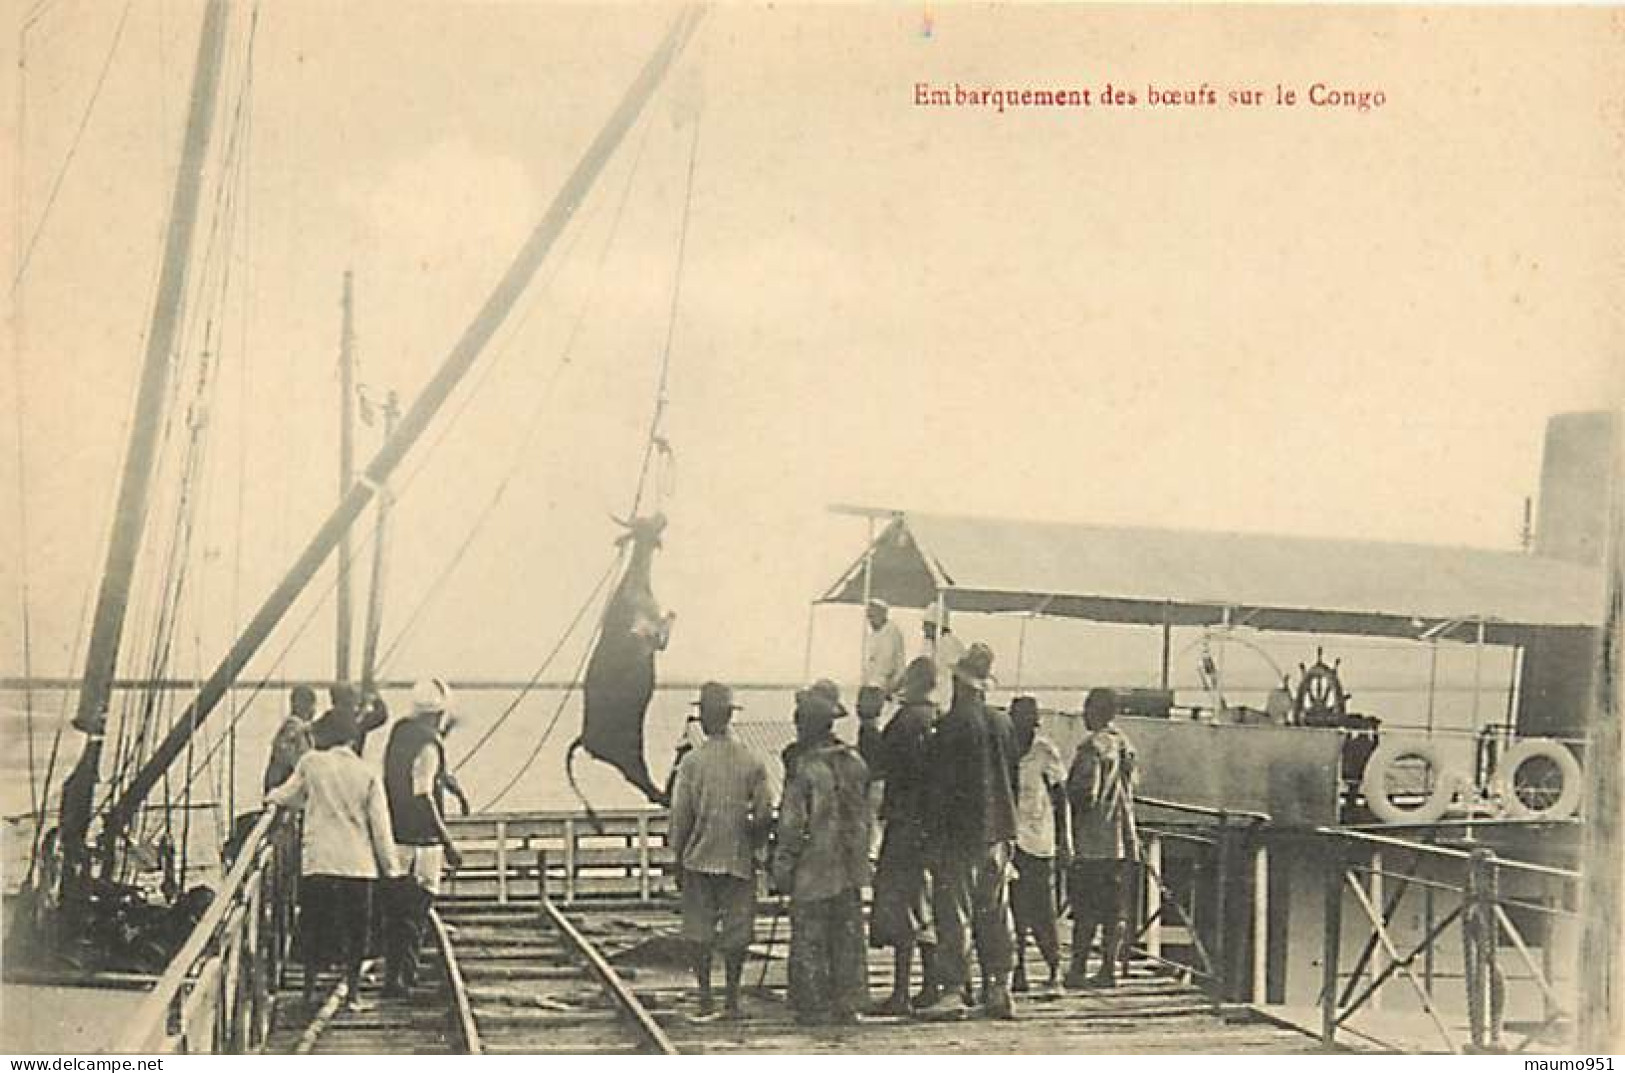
{"x": 244, "y": 378}
{"x": 558, "y": 710}
{"x": 513, "y": 705}
{"x": 73, "y": 146}
{"x": 19, "y": 338}
{"x": 23, "y": 566}
{"x": 214, "y": 286}
{"x": 98, "y": 553}
{"x": 192, "y": 462}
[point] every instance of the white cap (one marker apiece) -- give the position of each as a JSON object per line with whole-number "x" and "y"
{"x": 431, "y": 695}
{"x": 935, "y": 616}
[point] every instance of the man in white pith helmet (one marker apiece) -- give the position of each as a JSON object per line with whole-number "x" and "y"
{"x": 414, "y": 782}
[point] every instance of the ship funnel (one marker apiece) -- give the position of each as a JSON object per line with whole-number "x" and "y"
{"x": 1576, "y": 470}
{"x": 1576, "y": 474}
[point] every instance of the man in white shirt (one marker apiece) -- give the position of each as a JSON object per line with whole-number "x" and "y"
{"x": 883, "y": 658}
{"x": 347, "y": 845}
{"x": 945, "y": 651}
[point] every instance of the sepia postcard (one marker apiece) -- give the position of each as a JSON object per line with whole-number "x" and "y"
{"x": 802, "y": 529}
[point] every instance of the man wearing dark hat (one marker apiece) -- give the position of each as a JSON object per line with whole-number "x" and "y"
{"x": 822, "y": 862}
{"x": 692, "y": 738}
{"x": 972, "y": 826}
{"x": 1042, "y": 841}
{"x": 831, "y": 692}
{"x": 899, "y": 755}
{"x": 882, "y": 649}
{"x": 347, "y": 844}
{"x": 1106, "y": 842}
{"x": 721, "y": 809}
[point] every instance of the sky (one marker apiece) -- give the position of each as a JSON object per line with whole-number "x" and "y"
{"x": 1312, "y": 321}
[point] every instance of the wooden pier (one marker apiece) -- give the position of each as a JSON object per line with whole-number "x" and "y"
{"x": 559, "y": 935}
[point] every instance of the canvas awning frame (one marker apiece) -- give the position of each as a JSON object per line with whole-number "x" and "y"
{"x": 895, "y": 567}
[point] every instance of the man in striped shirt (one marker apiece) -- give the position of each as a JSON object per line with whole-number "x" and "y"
{"x": 721, "y": 810}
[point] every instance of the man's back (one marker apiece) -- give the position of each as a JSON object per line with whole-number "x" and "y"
{"x": 719, "y": 806}
{"x": 900, "y": 755}
{"x": 824, "y": 823}
{"x": 1100, "y": 787}
{"x": 347, "y": 830}
{"x": 414, "y": 760}
{"x": 974, "y": 802}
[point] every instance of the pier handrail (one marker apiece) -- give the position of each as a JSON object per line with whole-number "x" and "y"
{"x": 1218, "y": 902}
{"x": 1203, "y": 810}
{"x": 1428, "y": 848}
{"x": 1357, "y": 865}
{"x": 202, "y": 960}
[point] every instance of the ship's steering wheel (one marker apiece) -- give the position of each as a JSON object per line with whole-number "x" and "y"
{"x": 1320, "y": 699}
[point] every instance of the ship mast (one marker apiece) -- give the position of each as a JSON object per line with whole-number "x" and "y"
{"x": 375, "y": 589}
{"x": 129, "y": 520}
{"x": 343, "y": 629}
{"x": 434, "y": 395}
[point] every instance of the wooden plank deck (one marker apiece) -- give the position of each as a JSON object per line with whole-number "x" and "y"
{"x": 418, "y": 1024}
{"x": 1148, "y": 1013}
{"x": 526, "y": 1001}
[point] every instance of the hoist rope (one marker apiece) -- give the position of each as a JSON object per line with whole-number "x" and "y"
{"x": 654, "y": 438}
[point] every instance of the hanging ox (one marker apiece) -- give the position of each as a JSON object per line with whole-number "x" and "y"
{"x": 620, "y": 678}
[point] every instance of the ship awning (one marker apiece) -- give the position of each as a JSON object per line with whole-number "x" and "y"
{"x": 1190, "y": 578}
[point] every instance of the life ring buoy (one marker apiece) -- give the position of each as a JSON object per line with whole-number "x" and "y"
{"x": 1521, "y": 753}
{"x": 1374, "y": 784}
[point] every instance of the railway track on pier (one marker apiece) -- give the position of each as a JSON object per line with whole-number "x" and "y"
{"x": 498, "y": 979}
{"x": 537, "y": 983}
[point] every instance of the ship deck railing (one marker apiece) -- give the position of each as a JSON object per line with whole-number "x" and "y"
{"x": 218, "y": 993}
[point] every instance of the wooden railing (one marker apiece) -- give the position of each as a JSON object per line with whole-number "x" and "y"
{"x": 511, "y": 856}
{"x": 217, "y": 996}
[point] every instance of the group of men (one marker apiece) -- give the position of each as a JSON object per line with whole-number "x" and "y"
{"x": 977, "y": 812}
{"x": 373, "y": 842}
